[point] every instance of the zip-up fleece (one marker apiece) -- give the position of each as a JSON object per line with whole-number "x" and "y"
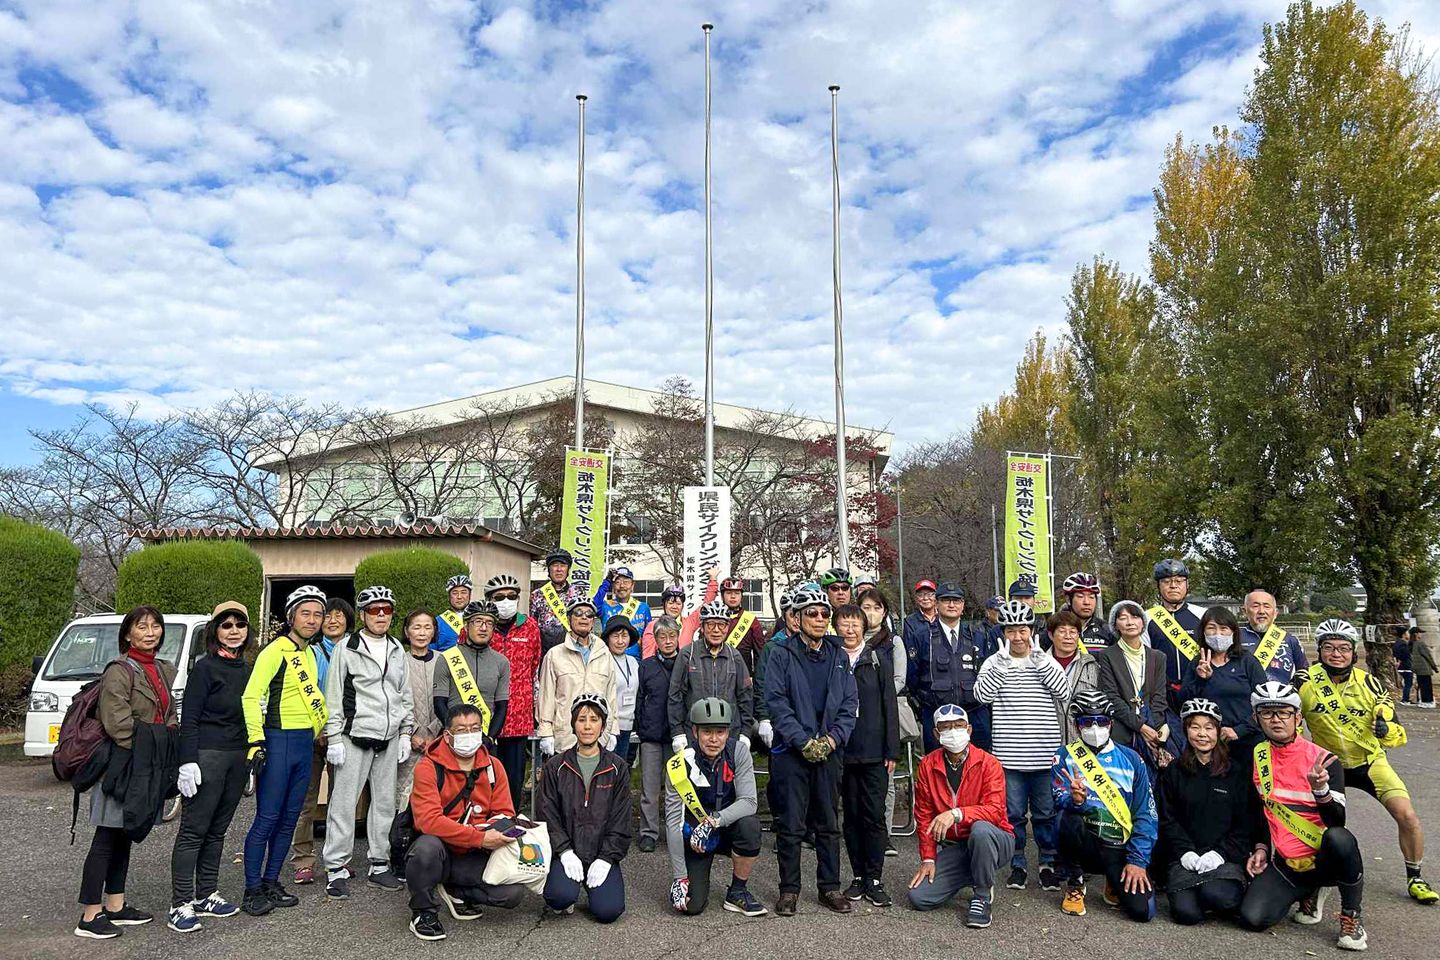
{"x": 593, "y": 821}
{"x": 371, "y": 699}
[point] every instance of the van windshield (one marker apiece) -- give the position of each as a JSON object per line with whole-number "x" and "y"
{"x": 85, "y": 648}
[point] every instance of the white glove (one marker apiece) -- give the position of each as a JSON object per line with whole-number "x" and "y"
{"x": 189, "y": 780}
{"x": 677, "y": 744}
{"x": 766, "y": 733}
{"x": 547, "y": 746}
{"x": 335, "y": 753}
{"x": 1209, "y": 861}
{"x": 744, "y": 742}
{"x": 599, "y": 870}
{"x": 404, "y": 743}
{"x": 1190, "y": 861}
{"x": 610, "y": 741}
{"x": 574, "y": 869}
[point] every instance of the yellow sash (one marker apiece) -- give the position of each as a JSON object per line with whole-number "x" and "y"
{"x": 306, "y": 688}
{"x": 465, "y": 683}
{"x": 1328, "y": 701}
{"x": 741, "y": 628}
{"x": 631, "y": 606}
{"x": 553, "y": 600}
{"x": 1176, "y": 634}
{"x": 1109, "y": 794}
{"x": 680, "y": 779}
{"x": 454, "y": 621}
{"x": 1269, "y": 645}
{"x": 1306, "y": 831}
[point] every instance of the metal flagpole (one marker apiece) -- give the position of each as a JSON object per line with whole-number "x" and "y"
{"x": 841, "y": 502}
{"x": 995, "y": 549}
{"x": 709, "y": 288}
{"x": 900, "y": 547}
{"x": 580, "y": 286}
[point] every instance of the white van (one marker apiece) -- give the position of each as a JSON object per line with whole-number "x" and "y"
{"x": 80, "y": 654}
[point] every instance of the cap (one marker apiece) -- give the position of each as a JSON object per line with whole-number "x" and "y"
{"x": 1021, "y": 588}
{"x": 949, "y": 590}
{"x": 229, "y": 606}
{"x": 994, "y": 603}
{"x": 924, "y": 585}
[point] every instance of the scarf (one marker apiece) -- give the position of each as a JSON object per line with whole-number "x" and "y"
{"x": 162, "y": 693}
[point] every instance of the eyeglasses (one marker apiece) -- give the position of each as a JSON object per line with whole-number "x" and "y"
{"x": 380, "y": 609}
{"x": 1083, "y": 722}
{"x": 818, "y": 613}
{"x": 1275, "y": 713}
{"x": 1336, "y": 647}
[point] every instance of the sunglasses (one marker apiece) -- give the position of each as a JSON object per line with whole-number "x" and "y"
{"x": 235, "y": 622}
{"x": 583, "y": 614}
{"x": 1083, "y": 722}
{"x": 380, "y": 609}
{"x": 505, "y": 595}
{"x": 819, "y": 613}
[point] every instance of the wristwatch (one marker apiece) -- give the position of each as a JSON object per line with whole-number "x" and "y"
{"x": 955, "y": 812}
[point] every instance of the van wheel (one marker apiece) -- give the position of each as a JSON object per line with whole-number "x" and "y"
{"x": 171, "y": 810}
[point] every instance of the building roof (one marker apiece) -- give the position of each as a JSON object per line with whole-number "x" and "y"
{"x": 337, "y": 531}
{"x": 598, "y": 393}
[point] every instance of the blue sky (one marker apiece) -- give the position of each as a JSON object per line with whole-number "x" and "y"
{"x": 373, "y": 202}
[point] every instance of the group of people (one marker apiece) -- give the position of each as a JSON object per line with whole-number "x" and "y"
{"x": 1159, "y": 748}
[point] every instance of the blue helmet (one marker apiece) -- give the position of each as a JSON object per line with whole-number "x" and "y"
{"x": 1171, "y": 568}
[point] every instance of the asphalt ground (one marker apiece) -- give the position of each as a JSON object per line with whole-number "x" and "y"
{"x": 39, "y": 877}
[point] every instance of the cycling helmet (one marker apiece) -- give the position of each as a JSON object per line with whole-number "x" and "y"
{"x": 1273, "y": 693}
{"x": 480, "y": 608}
{"x": 459, "y": 580}
{"x": 833, "y": 576}
{"x": 1171, "y": 568}
{"x": 302, "y": 595}
{"x": 950, "y": 711}
{"x": 714, "y": 610}
{"x": 787, "y": 601}
{"x": 559, "y": 556}
{"x": 864, "y": 581}
{"x": 501, "y": 581}
{"x": 1080, "y": 581}
{"x": 805, "y": 598}
{"x": 589, "y": 700}
{"x": 1091, "y": 703}
{"x": 578, "y": 599}
{"x": 1200, "y": 707}
{"x": 373, "y": 595}
{"x": 672, "y": 592}
{"x": 710, "y": 712}
{"x": 1343, "y": 629}
{"x": 1013, "y": 613}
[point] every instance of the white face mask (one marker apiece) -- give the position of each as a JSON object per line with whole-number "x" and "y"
{"x": 1219, "y": 642}
{"x": 507, "y": 608}
{"x": 1095, "y": 736}
{"x": 954, "y": 741}
{"x": 466, "y": 744}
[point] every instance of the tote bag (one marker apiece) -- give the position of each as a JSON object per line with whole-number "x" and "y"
{"x": 526, "y": 861}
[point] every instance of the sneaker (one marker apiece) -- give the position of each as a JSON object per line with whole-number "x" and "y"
{"x": 183, "y": 920}
{"x": 304, "y": 875}
{"x": 890, "y": 850}
{"x": 646, "y": 844}
{"x": 279, "y": 895}
{"x": 877, "y": 896}
{"x": 978, "y": 916}
{"x": 1352, "y": 934}
{"x": 1017, "y": 879}
{"x": 425, "y": 924}
{"x": 742, "y": 901}
{"x": 215, "y": 906}
{"x": 98, "y": 929}
{"x": 385, "y": 880}
{"x": 1312, "y": 908}
{"x": 256, "y": 903}
{"x": 338, "y": 889}
{"x": 128, "y": 916}
{"x": 1049, "y": 879}
{"x": 856, "y": 890}
{"x": 1112, "y": 896}
{"x": 1421, "y": 892}
{"x": 458, "y": 908}
{"x": 1074, "y": 902}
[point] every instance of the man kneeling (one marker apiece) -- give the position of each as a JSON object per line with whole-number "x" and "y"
{"x": 960, "y": 820}
{"x": 456, "y": 785}
{"x": 710, "y": 808}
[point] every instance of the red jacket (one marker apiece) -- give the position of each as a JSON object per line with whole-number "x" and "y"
{"x": 521, "y": 646}
{"x": 488, "y": 798}
{"x": 981, "y": 796}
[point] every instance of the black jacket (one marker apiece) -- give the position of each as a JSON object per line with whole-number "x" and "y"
{"x": 212, "y": 718}
{"x": 651, "y": 721}
{"x": 143, "y": 777}
{"x": 1200, "y": 812}
{"x": 876, "y": 736}
{"x": 594, "y": 822}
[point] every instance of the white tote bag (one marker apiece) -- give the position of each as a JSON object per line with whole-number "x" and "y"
{"x": 526, "y": 861}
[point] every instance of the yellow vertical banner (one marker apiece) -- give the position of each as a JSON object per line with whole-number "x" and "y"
{"x": 585, "y": 519}
{"x": 1027, "y": 526}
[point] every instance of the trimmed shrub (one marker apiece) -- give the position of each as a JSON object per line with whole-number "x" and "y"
{"x": 190, "y": 577}
{"x": 416, "y": 575}
{"x": 37, "y": 589}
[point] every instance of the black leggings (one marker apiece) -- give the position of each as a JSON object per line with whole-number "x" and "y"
{"x": 200, "y": 842}
{"x": 1081, "y": 851}
{"x": 106, "y": 865}
{"x": 1190, "y": 905}
{"x": 862, "y": 788}
{"x": 740, "y": 839}
{"x": 1337, "y": 864}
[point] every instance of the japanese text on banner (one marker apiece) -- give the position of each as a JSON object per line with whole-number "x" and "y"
{"x": 585, "y": 521}
{"x": 707, "y": 539}
{"x": 1027, "y": 526}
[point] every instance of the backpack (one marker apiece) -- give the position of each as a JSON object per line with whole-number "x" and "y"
{"x": 404, "y": 833}
{"x": 82, "y": 750}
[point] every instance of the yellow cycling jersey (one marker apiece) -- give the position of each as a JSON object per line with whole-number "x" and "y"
{"x": 1341, "y": 716}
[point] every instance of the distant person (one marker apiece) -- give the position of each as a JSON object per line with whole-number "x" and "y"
{"x": 548, "y": 601}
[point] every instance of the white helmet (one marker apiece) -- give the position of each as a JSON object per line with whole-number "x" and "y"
{"x": 1343, "y": 629}
{"x": 804, "y": 598}
{"x": 715, "y": 610}
{"x": 459, "y": 580}
{"x": 1200, "y": 707}
{"x": 501, "y": 581}
{"x": 1013, "y": 613}
{"x": 373, "y": 595}
{"x": 302, "y": 595}
{"x": 1273, "y": 693}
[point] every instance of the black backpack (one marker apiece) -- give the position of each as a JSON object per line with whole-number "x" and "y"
{"x": 82, "y": 750}
{"x": 404, "y": 833}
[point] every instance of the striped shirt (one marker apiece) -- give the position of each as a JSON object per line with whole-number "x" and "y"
{"x": 1024, "y": 694}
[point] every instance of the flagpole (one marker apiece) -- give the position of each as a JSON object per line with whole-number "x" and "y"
{"x": 580, "y": 285}
{"x": 842, "y": 513}
{"x": 709, "y": 288}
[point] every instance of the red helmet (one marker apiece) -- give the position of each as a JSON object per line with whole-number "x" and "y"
{"x": 732, "y": 583}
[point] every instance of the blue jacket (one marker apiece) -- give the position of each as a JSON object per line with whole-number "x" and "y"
{"x": 937, "y": 674}
{"x": 608, "y": 608}
{"x": 1130, "y": 775}
{"x": 787, "y": 695}
{"x": 1176, "y": 663}
{"x": 650, "y": 703}
{"x": 1289, "y": 659}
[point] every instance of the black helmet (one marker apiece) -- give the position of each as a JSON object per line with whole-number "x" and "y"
{"x": 559, "y": 555}
{"x": 1171, "y": 568}
{"x": 1091, "y": 703}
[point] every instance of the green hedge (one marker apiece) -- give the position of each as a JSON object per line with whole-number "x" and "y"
{"x": 415, "y": 575}
{"x": 190, "y": 577}
{"x": 37, "y": 589}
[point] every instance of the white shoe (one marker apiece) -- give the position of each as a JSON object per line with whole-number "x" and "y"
{"x": 1316, "y": 913}
{"x": 1352, "y": 934}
